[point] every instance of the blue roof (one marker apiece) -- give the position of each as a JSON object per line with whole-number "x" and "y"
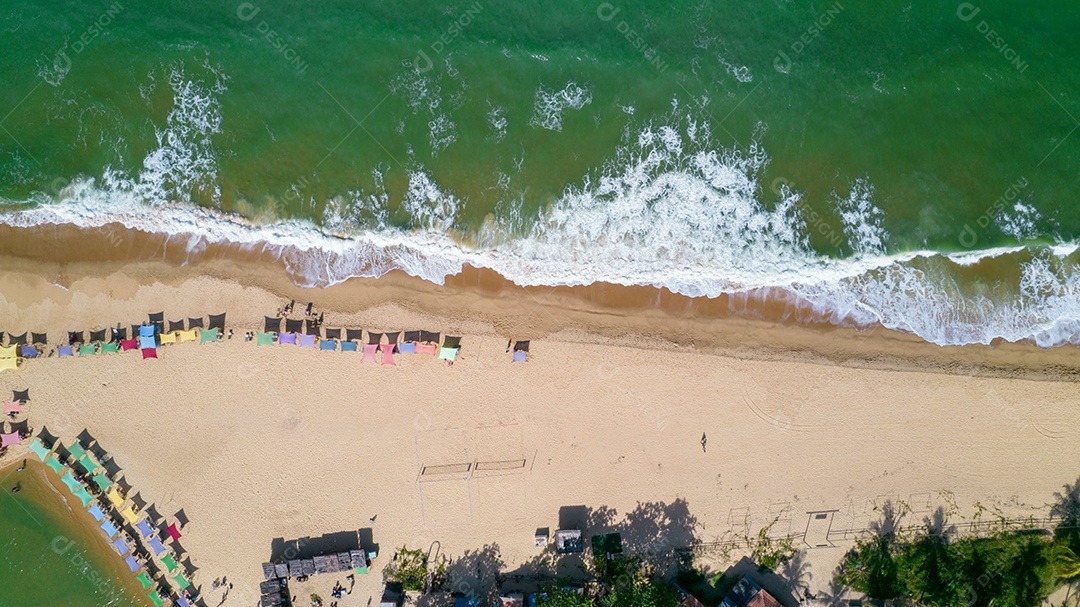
{"x": 467, "y": 601}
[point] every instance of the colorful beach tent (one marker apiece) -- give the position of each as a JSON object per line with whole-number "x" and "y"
{"x": 87, "y": 350}
{"x": 306, "y": 341}
{"x": 109, "y": 529}
{"x": 76, "y": 450}
{"x": 28, "y": 351}
{"x": 129, "y": 514}
{"x": 97, "y": 335}
{"x": 451, "y": 342}
{"x": 354, "y": 334}
{"x": 63, "y": 351}
{"x": 39, "y": 449}
{"x": 69, "y": 480}
{"x": 286, "y": 338}
{"x": 110, "y": 348}
{"x": 206, "y": 335}
{"x": 147, "y": 342}
{"x": 167, "y": 338}
{"x": 155, "y": 545}
{"x": 144, "y": 528}
{"x": 9, "y": 364}
{"x": 129, "y": 344}
{"x": 84, "y": 496}
{"x": 170, "y": 563}
{"x": 195, "y": 323}
{"x": 293, "y": 326}
{"x": 114, "y": 496}
{"x": 431, "y": 349}
{"x": 40, "y": 339}
{"x": 8, "y": 352}
{"x": 217, "y": 321}
{"x": 95, "y": 511}
{"x": 348, "y": 346}
{"x": 328, "y": 344}
{"x": 102, "y": 481}
{"x": 408, "y": 347}
{"x": 448, "y": 353}
{"x": 264, "y": 339}
{"x": 120, "y": 546}
{"x": 176, "y": 325}
{"x": 54, "y": 463}
{"x": 146, "y": 330}
{"x": 9, "y": 439}
{"x": 181, "y": 583}
{"x": 144, "y": 579}
{"x": 191, "y": 335}
{"x": 17, "y": 340}
{"x": 520, "y": 357}
{"x": 132, "y": 564}
{"x": 149, "y": 353}
{"x": 333, "y": 333}
{"x": 182, "y": 602}
{"x": 12, "y": 407}
{"x": 388, "y": 354}
{"x": 156, "y": 598}
{"x": 271, "y": 325}
{"x": 88, "y": 463}
{"x": 369, "y": 353}
{"x": 173, "y": 532}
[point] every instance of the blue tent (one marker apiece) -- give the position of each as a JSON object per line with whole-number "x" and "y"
{"x": 155, "y": 545}
{"x": 144, "y": 528}
{"x": 328, "y": 344}
{"x": 147, "y": 342}
{"x": 109, "y": 528}
{"x": 146, "y": 331}
{"x": 96, "y": 512}
{"x": 29, "y": 351}
{"x": 348, "y": 346}
{"x": 132, "y": 564}
{"x": 121, "y": 546}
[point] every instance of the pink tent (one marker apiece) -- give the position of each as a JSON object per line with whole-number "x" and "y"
{"x": 431, "y": 349}
{"x": 387, "y": 354}
{"x": 7, "y": 440}
{"x": 174, "y": 533}
{"x": 12, "y": 407}
{"x": 149, "y": 353}
{"x": 369, "y": 353}
{"x": 129, "y": 344}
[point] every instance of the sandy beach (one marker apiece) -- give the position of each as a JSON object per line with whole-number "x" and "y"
{"x": 258, "y": 444}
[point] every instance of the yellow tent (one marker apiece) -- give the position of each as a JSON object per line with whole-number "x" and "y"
{"x": 8, "y": 363}
{"x": 114, "y": 496}
{"x": 8, "y": 352}
{"x": 129, "y": 514}
{"x": 191, "y": 335}
{"x": 167, "y": 338}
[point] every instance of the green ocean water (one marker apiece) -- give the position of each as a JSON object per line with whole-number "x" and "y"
{"x": 48, "y": 557}
{"x": 847, "y": 154}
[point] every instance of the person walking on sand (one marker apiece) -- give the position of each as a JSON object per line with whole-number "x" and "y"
{"x": 703, "y": 441}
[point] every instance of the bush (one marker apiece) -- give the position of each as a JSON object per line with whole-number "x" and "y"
{"x": 409, "y": 569}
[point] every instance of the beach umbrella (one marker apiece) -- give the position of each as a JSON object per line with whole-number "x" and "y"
{"x": 167, "y": 338}
{"x": 63, "y": 351}
{"x": 155, "y": 596}
{"x": 69, "y": 480}
{"x": 110, "y": 348}
{"x": 190, "y": 335}
{"x": 129, "y": 514}
{"x": 88, "y": 463}
{"x": 129, "y": 344}
{"x": 114, "y": 496}
{"x": 146, "y": 330}
{"x": 9, "y": 364}
{"x": 39, "y": 449}
{"x": 387, "y": 354}
{"x": 147, "y": 342}
{"x": 87, "y": 350}
{"x": 144, "y": 528}
{"x": 109, "y": 528}
{"x": 120, "y": 546}
{"x": 328, "y": 344}
{"x": 102, "y": 481}
{"x": 155, "y": 545}
{"x": 8, "y": 352}
{"x": 348, "y": 346}
{"x": 28, "y": 351}
{"x": 84, "y": 496}
{"x": 306, "y": 341}
{"x": 149, "y": 353}
{"x": 54, "y": 463}
{"x": 286, "y": 338}
{"x": 170, "y": 563}
{"x": 264, "y": 339}
{"x": 76, "y": 450}
{"x": 181, "y": 583}
{"x": 448, "y": 353}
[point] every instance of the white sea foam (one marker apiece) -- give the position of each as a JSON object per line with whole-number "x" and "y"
{"x": 670, "y": 210}
{"x": 550, "y": 104}
{"x": 1020, "y": 222}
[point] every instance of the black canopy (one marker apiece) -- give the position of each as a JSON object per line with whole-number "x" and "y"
{"x": 521, "y": 346}
{"x": 135, "y": 330}
{"x": 97, "y": 335}
{"x": 452, "y": 342}
{"x": 176, "y": 325}
{"x": 393, "y": 337}
{"x": 271, "y": 325}
{"x": 194, "y": 323}
{"x": 412, "y": 336}
{"x": 374, "y": 338}
{"x": 75, "y": 337}
{"x": 311, "y": 328}
{"x": 1, "y": 337}
{"x": 354, "y": 334}
{"x": 157, "y": 317}
{"x": 333, "y": 333}
{"x": 159, "y": 327}
{"x": 429, "y": 336}
{"x": 119, "y": 333}
{"x": 20, "y": 395}
{"x": 293, "y": 326}
{"x": 17, "y": 339}
{"x": 40, "y": 338}
{"x": 217, "y": 320}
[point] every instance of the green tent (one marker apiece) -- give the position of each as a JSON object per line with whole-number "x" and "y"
{"x": 102, "y": 481}
{"x": 84, "y": 496}
{"x": 154, "y": 596}
{"x": 110, "y": 348}
{"x": 170, "y": 563}
{"x": 208, "y": 335}
{"x": 180, "y": 581}
{"x": 86, "y": 350}
{"x": 69, "y": 480}
{"x": 361, "y": 570}
{"x": 264, "y": 339}
{"x": 39, "y": 449}
{"x": 144, "y": 580}
{"x": 76, "y": 450}
{"x": 88, "y": 463}
{"x": 54, "y": 463}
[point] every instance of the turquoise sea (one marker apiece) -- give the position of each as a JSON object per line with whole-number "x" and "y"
{"x": 910, "y": 164}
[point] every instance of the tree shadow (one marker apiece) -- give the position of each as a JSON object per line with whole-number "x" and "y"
{"x": 796, "y": 573}
{"x": 475, "y": 574}
{"x": 1066, "y": 508}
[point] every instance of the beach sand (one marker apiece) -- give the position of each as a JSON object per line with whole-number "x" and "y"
{"x": 257, "y": 444}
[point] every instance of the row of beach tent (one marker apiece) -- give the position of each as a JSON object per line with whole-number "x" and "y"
{"x": 112, "y": 517}
{"x": 352, "y": 340}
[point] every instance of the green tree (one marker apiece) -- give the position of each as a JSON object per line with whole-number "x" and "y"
{"x": 409, "y": 568}
{"x": 564, "y": 596}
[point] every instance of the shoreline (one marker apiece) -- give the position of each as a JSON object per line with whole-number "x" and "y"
{"x": 650, "y": 317}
